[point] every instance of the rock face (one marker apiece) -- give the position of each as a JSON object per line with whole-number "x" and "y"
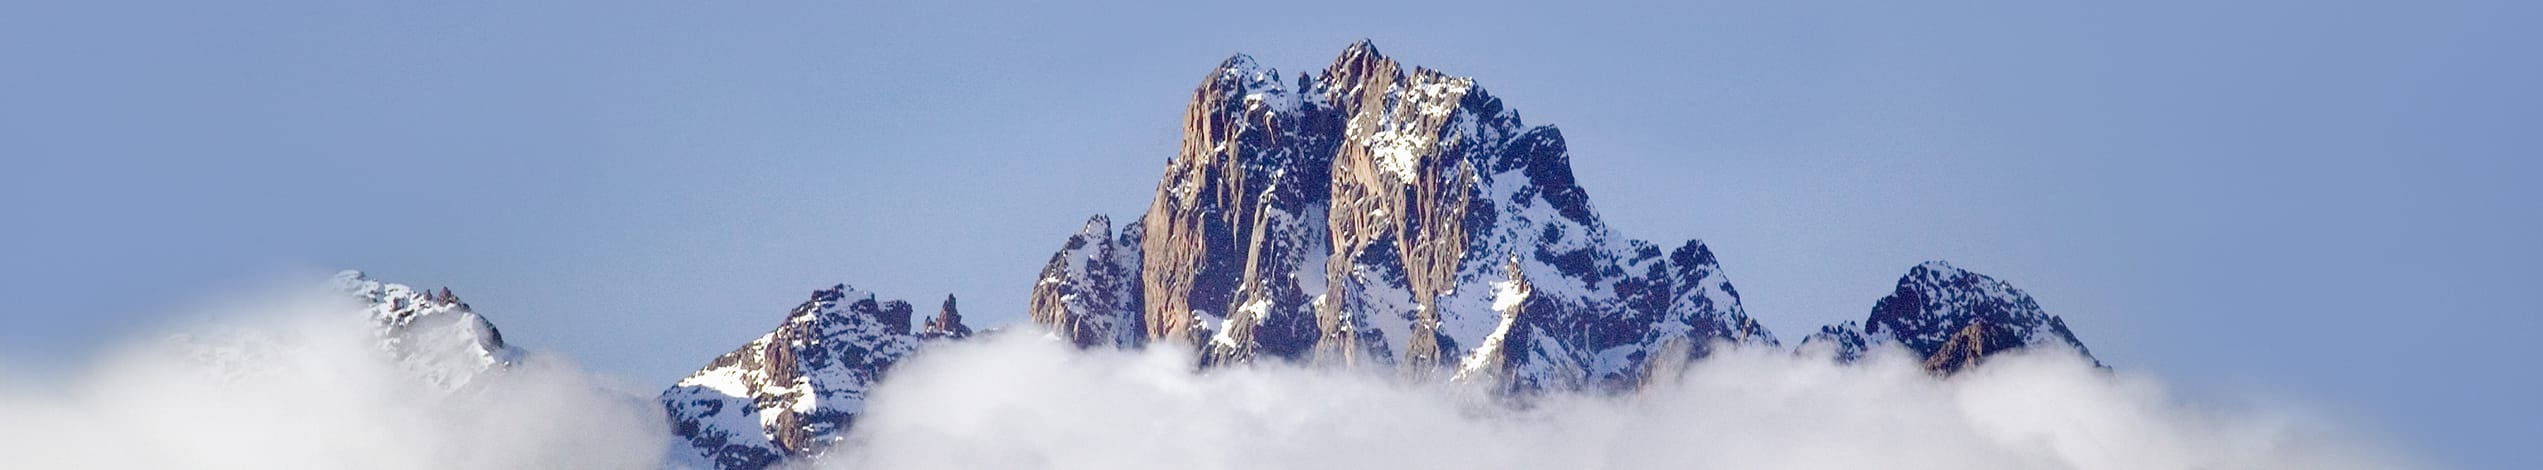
{"x": 1952, "y": 318}
{"x": 429, "y": 333}
{"x": 1360, "y": 216}
{"x": 792, "y": 391}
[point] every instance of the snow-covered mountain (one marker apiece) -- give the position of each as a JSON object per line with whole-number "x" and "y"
{"x": 1360, "y": 215}
{"x": 792, "y": 391}
{"x": 1951, "y": 318}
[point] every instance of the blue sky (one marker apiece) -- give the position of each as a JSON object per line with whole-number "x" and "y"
{"x": 2334, "y": 203}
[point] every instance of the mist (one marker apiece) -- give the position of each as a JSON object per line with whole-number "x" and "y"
{"x": 1017, "y": 401}
{"x": 294, "y": 381}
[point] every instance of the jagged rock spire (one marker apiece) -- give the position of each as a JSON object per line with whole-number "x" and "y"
{"x": 947, "y": 324}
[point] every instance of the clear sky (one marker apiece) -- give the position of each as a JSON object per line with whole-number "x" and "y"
{"x": 2334, "y": 203}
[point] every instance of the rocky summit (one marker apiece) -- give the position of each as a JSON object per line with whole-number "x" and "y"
{"x": 1361, "y": 215}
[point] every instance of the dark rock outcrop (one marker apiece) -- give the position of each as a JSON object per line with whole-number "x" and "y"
{"x": 947, "y": 324}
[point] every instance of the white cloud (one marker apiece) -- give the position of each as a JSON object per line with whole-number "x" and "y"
{"x": 297, "y": 385}
{"x": 1020, "y": 402}
{"x": 300, "y": 387}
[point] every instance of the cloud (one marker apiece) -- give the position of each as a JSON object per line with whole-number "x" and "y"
{"x": 1020, "y": 402}
{"x": 297, "y": 383}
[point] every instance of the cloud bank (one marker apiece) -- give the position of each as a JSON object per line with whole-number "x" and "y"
{"x": 298, "y": 384}
{"x": 1022, "y": 402}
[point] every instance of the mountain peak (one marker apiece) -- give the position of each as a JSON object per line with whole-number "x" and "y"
{"x": 1366, "y": 222}
{"x": 1359, "y": 51}
{"x": 797, "y": 388}
{"x": 1239, "y": 62}
{"x": 429, "y": 332}
{"x": 947, "y": 324}
{"x": 1952, "y": 318}
{"x": 1357, "y": 65}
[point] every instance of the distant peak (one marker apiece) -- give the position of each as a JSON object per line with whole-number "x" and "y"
{"x": 1236, "y": 80}
{"x": 1360, "y": 48}
{"x": 1694, "y": 254}
{"x": 1099, "y": 225}
{"x": 834, "y": 293}
{"x": 1241, "y": 74}
{"x": 1938, "y": 273}
{"x": 1359, "y": 60}
{"x": 1238, "y": 63}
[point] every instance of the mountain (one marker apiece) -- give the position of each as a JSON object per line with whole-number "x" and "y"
{"x": 797, "y": 388}
{"x": 427, "y": 335}
{"x": 430, "y": 333}
{"x": 1360, "y": 215}
{"x": 1951, "y": 318}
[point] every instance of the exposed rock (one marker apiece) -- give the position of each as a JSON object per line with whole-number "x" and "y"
{"x": 1962, "y": 350}
{"x": 947, "y": 324}
{"x": 1238, "y": 210}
